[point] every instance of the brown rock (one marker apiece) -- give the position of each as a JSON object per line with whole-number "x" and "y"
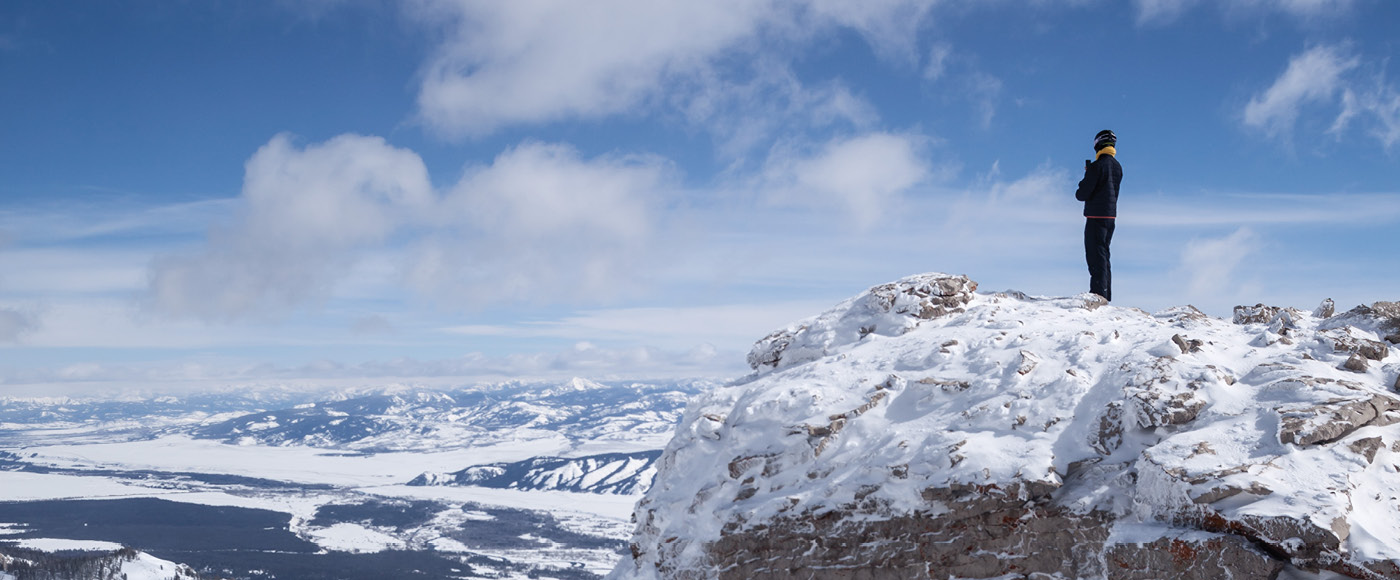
{"x": 1094, "y": 301}
{"x": 984, "y": 534}
{"x": 1355, "y": 363}
{"x": 1309, "y": 425}
{"x": 1186, "y": 346}
{"x": 1343, "y": 341}
{"x": 1193, "y": 559}
{"x": 1366, "y": 447}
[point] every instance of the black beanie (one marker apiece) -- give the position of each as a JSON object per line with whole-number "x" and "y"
{"x": 1105, "y": 138}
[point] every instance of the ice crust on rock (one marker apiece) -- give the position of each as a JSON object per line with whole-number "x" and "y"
{"x": 924, "y": 430}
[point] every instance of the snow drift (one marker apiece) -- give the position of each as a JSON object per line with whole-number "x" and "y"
{"x": 924, "y": 430}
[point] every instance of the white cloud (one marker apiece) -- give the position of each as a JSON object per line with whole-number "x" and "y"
{"x": 863, "y": 176}
{"x": 1211, "y": 265}
{"x": 1162, "y": 11}
{"x": 745, "y": 113}
{"x": 1380, "y": 102}
{"x": 538, "y": 225}
{"x": 1312, "y": 77}
{"x": 1302, "y": 9}
{"x": 543, "y": 225}
{"x": 984, "y": 90}
{"x": 1157, "y": 12}
{"x": 306, "y": 214}
{"x": 890, "y": 26}
{"x": 1329, "y": 76}
{"x": 937, "y": 63}
{"x": 531, "y": 61}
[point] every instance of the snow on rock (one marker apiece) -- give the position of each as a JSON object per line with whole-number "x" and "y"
{"x": 923, "y": 430}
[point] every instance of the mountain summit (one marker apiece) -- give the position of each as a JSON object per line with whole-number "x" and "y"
{"x": 924, "y": 430}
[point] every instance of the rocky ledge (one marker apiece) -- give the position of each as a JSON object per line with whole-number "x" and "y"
{"x": 924, "y": 430}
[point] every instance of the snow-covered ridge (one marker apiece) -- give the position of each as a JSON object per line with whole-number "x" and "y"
{"x": 922, "y": 430}
{"x": 612, "y": 473}
{"x": 86, "y": 560}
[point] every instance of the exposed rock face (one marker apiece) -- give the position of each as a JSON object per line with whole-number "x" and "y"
{"x": 921, "y": 430}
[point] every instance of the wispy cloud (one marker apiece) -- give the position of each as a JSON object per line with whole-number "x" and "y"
{"x": 1377, "y": 100}
{"x": 1161, "y": 12}
{"x": 1312, "y": 77}
{"x": 1332, "y": 78}
{"x": 1211, "y": 265}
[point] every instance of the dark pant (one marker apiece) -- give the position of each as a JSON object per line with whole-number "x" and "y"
{"x": 1098, "y": 233}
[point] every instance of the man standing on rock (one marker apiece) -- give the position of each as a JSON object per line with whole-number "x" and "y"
{"x": 1099, "y": 192}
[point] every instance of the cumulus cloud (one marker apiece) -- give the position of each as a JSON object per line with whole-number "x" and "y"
{"x": 305, "y": 215}
{"x": 531, "y": 61}
{"x": 540, "y": 223}
{"x": 862, "y": 176}
{"x": 1211, "y": 264}
{"x": 1314, "y": 76}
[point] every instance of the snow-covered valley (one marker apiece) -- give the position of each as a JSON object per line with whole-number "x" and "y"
{"x": 301, "y": 485}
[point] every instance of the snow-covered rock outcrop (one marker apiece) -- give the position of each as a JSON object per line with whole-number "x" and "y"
{"x": 923, "y": 430}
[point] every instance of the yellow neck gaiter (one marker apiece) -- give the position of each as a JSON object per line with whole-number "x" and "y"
{"x": 1106, "y": 151}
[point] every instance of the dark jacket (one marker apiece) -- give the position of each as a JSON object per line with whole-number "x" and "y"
{"x": 1099, "y": 188}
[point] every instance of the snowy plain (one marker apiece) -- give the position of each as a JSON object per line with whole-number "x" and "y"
{"x": 346, "y": 491}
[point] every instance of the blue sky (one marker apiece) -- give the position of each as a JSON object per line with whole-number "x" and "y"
{"x": 222, "y": 193}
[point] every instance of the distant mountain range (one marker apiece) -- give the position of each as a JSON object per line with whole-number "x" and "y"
{"x": 580, "y": 410}
{"x": 383, "y": 420}
{"x": 615, "y": 473}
